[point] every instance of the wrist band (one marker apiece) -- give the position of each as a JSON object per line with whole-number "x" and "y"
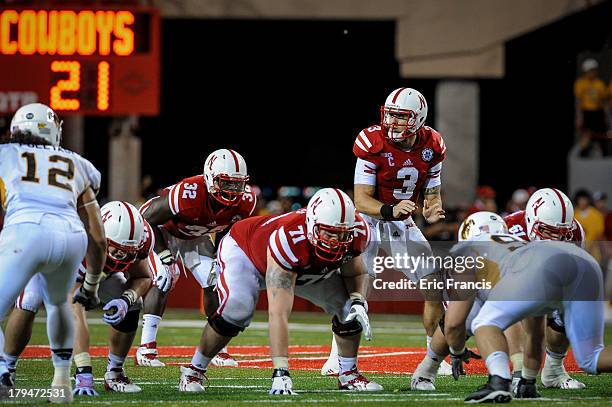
{"x": 386, "y": 211}
{"x": 130, "y": 297}
{"x": 166, "y": 257}
{"x": 91, "y": 281}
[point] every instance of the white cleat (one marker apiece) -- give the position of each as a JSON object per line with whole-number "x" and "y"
{"x": 146, "y": 355}
{"x": 224, "y": 359}
{"x": 116, "y": 380}
{"x": 192, "y": 379}
{"x": 355, "y": 381}
{"x": 445, "y": 369}
{"x": 561, "y": 381}
{"x": 331, "y": 367}
{"x": 421, "y": 383}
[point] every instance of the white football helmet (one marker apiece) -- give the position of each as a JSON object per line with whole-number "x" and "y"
{"x": 40, "y": 121}
{"x": 225, "y": 174}
{"x": 549, "y": 215}
{"x": 330, "y": 220}
{"x": 125, "y": 232}
{"x": 481, "y": 223}
{"x": 403, "y": 114}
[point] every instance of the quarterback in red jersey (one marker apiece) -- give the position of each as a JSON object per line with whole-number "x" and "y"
{"x": 184, "y": 218}
{"x": 549, "y": 215}
{"x": 397, "y": 161}
{"x": 312, "y": 253}
{"x": 126, "y": 279}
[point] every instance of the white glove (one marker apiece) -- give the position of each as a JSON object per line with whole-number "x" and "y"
{"x": 121, "y": 307}
{"x": 359, "y": 312}
{"x": 281, "y": 382}
{"x": 165, "y": 277}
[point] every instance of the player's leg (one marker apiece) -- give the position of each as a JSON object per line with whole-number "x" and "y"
{"x": 533, "y": 328}
{"x": 514, "y": 335}
{"x": 425, "y": 374}
{"x": 553, "y": 373}
{"x": 84, "y": 381}
{"x": 238, "y": 288}
{"x": 21, "y": 321}
{"x": 331, "y": 295}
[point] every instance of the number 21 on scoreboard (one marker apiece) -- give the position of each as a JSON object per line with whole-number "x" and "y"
{"x": 73, "y": 84}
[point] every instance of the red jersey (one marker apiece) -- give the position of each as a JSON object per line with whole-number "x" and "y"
{"x": 518, "y": 227}
{"x": 285, "y": 237}
{"x": 194, "y": 215}
{"x": 398, "y": 174}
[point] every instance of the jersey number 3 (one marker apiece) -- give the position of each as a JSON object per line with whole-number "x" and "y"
{"x": 54, "y": 172}
{"x": 410, "y": 175}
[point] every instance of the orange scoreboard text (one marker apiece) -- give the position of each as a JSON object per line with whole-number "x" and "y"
{"x": 92, "y": 62}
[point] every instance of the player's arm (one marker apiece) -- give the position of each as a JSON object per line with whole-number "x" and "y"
{"x": 280, "y": 284}
{"x": 432, "y": 204}
{"x": 140, "y": 278}
{"x": 355, "y": 276}
{"x": 157, "y": 213}
{"x": 454, "y": 324}
{"x": 366, "y": 203}
{"x": 89, "y": 212}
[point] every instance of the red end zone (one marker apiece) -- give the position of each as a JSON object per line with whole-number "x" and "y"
{"x": 372, "y": 359}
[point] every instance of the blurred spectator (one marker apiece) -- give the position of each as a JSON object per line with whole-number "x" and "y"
{"x": 592, "y": 221}
{"x": 591, "y": 95}
{"x": 518, "y": 201}
{"x": 485, "y": 200}
{"x": 600, "y": 201}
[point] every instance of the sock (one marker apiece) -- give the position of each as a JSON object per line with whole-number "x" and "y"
{"x": 11, "y": 361}
{"x": 517, "y": 361}
{"x": 150, "y": 325}
{"x": 83, "y": 363}
{"x": 554, "y": 359}
{"x": 199, "y": 360}
{"x": 429, "y": 366}
{"x": 114, "y": 362}
{"x": 433, "y": 355}
{"x": 529, "y": 374}
{"x": 333, "y": 353}
{"x": 61, "y": 376}
{"x": 499, "y": 364}
{"x": 347, "y": 364}
{"x": 429, "y": 338}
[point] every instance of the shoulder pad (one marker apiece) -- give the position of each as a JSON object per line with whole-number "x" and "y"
{"x": 369, "y": 141}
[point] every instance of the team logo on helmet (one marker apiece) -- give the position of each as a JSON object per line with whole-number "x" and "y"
{"x": 427, "y": 154}
{"x": 30, "y": 116}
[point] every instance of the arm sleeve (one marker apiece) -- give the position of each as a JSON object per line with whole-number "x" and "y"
{"x": 283, "y": 250}
{"x": 92, "y": 175}
{"x": 365, "y": 172}
{"x": 434, "y": 178}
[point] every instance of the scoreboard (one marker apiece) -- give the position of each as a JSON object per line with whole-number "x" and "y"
{"x": 102, "y": 61}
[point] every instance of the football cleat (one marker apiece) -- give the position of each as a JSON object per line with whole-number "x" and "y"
{"x": 146, "y": 355}
{"x": 116, "y": 380}
{"x": 84, "y": 385}
{"x": 421, "y": 383}
{"x": 526, "y": 389}
{"x": 516, "y": 378}
{"x": 224, "y": 359}
{"x": 13, "y": 373}
{"x": 355, "y": 381}
{"x": 496, "y": 390}
{"x": 562, "y": 381}
{"x": 445, "y": 369}
{"x": 331, "y": 367}
{"x": 192, "y": 379}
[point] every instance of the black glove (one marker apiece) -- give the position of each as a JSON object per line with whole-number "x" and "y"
{"x": 526, "y": 389}
{"x": 87, "y": 299}
{"x": 457, "y": 361}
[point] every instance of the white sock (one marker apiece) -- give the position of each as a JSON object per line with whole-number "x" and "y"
{"x": 114, "y": 362}
{"x": 347, "y": 364}
{"x": 498, "y": 364}
{"x": 199, "y": 360}
{"x": 429, "y": 366}
{"x": 61, "y": 376}
{"x": 150, "y": 325}
{"x": 429, "y": 338}
{"x": 333, "y": 353}
{"x": 11, "y": 361}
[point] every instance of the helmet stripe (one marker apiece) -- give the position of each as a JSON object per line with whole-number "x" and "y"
{"x": 131, "y": 220}
{"x": 235, "y": 159}
{"x": 342, "y": 209}
{"x": 397, "y": 94}
{"x": 563, "y": 211}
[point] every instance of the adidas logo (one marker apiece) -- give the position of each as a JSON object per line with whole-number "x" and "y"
{"x": 407, "y": 163}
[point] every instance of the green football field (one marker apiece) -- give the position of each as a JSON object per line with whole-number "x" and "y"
{"x": 397, "y": 347}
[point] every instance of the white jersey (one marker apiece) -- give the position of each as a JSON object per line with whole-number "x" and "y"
{"x": 39, "y": 179}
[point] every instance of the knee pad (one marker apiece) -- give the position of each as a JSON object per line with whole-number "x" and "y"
{"x": 223, "y": 327}
{"x": 129, "y": 323}
{"x": 351, "y": 328}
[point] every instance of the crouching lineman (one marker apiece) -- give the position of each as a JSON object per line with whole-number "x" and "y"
{"x": 130, "y": 240}
{"x": 537, "y": 279}
{"x": 184, "y": 218}
{"x": 549, "y": 215}
{"x": 312, "y": 253}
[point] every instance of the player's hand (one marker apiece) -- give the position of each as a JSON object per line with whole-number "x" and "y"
{"x": 281, "y": 382}
{"x": 359, "y": 312}
{"x": 433, "y": 213}
{"x": 84, "y": 385}
{"x": 405, "y": 207}
{"x": 88, "y": 299}
{"x": 457, "y": 361}
{"x": 121, "y": 307}
{"x": 165, "y": 277}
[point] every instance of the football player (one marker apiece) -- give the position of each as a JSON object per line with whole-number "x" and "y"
{"x": 52, "y": 220}
{"x": 126, "y": 279}
{"x": 549, "y": 215}
{"x": 312, "y": 253}
{"x": 535, "y": 280}
{"x": 183, "y": 219}
{"x": 399, "y": 160}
